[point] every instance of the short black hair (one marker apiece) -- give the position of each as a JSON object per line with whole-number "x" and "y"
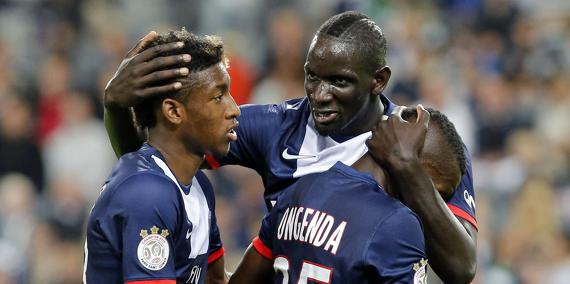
{"x": 448, "y": 131}
{"x": 358, "y": 28}
{"x": 205, "y": 51}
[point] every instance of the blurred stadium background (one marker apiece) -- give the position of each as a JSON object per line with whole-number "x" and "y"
{"x": 499, "y": 68}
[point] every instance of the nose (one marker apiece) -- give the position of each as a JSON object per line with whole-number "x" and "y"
{"x": 233, "y": 109}
{"x": 322, "y": 93}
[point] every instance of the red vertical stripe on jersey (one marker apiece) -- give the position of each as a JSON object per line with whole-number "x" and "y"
{"x": 216, "y": 255}
{"x": 164, "y": 281}
{"x": 461, "y": 213}
{"x": 262, "y": 249}
{"x": 212, "y": 162}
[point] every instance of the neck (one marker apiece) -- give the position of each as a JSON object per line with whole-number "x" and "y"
{"x": 367, "y": 165}
{"x": 182, "y": 162}
{"x": 362, "y": 119}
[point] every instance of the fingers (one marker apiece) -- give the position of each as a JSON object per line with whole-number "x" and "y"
{"x": 397, "y": 113}
{"x": 142, "y": 44}
{"x": 156, "y": 51}
{"x": 161, "y": 63}
{"x": 154, "y": 91}
{"x": 158, "y": 76}
{"x": 423, "y": 116}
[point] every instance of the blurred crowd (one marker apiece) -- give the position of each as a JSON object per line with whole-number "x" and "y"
{"x": 500, "y": 69}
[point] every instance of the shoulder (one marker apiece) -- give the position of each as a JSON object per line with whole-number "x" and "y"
{"x": 144, "y": 188}
{"x": 281, "y": 110}
{"x": 400, "y": 228}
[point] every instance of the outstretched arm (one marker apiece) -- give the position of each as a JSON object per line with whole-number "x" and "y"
{"x": 450, "y": 242}
{"x": 135, "y": 80}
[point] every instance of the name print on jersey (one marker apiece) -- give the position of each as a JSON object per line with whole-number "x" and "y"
{"x": 311, "y": 226}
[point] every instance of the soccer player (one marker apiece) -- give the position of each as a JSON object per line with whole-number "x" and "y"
{"x": 341, "y": 226}
{"x": 345, "y": 74}
{"x": 154, "y": 221}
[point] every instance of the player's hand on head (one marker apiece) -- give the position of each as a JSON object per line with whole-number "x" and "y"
{"x": 140, "y": 71}
{"x": 396, "y": 141}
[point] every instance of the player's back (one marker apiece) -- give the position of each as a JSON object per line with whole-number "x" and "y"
{"x": 340, "y": 227}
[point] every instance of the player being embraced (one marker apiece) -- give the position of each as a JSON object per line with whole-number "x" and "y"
{"x": 341, "y": 225}
{"x": 154, "y": 221}
{"x": 345, "y": 75}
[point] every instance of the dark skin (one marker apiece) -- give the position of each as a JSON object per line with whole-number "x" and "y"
{"x": 396, "y": 147}
{"x": 343, "y": 92}
{"x": 255, "y": 268}
{"x": 200, "y": 124}
{"x": 341, "y": 89}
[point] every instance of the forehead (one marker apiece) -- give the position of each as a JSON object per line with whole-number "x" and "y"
{"x": 328, "y": 52}
{"x": 209, "y": 78}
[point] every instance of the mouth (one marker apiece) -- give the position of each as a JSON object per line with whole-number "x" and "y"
{"x": 324, "y": 116}
{"x": 231, "y": 133}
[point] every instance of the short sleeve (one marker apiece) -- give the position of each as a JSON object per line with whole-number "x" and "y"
{"x": 148, "y": 213}
{"x": 396, "y": 253}
{"x": 462, "y": 202}
{"x": 263, "y": 242}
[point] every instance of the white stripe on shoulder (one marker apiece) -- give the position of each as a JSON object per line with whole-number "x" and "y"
{"x": 197, "y": 211}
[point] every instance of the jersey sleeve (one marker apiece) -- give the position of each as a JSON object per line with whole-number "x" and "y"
{"x": 263, "y": 242}
{"x": 396, "y": 253}
{"x": 462, "y": 202}
{"x": 256, "y": 126}
{"x": 147, "y": 216}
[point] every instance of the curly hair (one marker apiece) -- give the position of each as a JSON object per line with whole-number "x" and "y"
{"x": 205, "y": 51}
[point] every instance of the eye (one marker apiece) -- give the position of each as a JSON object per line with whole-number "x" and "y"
{"x": 311, "y": 76}
{"x": 219, "y": 97}
{"x": 340, "y": 82}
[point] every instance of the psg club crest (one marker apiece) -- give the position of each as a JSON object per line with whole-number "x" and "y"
{"x": 153, "y": 249}
{"x": 420, "y": 277}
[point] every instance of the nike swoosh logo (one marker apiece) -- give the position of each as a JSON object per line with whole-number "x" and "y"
{"x": 293, "y": 107}
{"x": 288, "y": 156}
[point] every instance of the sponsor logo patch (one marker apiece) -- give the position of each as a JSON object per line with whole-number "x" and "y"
{"x": 153, "y": 249}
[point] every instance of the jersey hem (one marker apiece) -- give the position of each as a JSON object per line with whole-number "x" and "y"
{"x": 464, "y": 215}
{"x": 262, "y": 249}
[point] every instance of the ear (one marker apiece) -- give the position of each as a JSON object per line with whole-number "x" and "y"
{"x": 173, "y": 111}
{"x": 380, "y": 80}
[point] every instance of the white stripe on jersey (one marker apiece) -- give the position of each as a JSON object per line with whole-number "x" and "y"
{"x": 327, "y": 151}
{"x": 197, "y": 212}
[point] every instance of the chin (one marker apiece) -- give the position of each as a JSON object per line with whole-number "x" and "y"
{"x": 221, "y": 151}
{"x": 327, "y": 130}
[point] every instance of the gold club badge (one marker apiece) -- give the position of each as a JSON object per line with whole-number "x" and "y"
{"x": 153, "y": 250}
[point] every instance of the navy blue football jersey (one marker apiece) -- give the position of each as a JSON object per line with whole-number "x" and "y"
{"x": 339, "y": 226}
{"x": 147, "y": 227}
{"x": 281, "y": 143}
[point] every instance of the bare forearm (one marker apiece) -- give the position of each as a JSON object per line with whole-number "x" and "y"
{"x": 253, "y": 268}
{"x": 449, "y": 245}
{"x": 122, "y": 132}
{"x": 217, "y": 272}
